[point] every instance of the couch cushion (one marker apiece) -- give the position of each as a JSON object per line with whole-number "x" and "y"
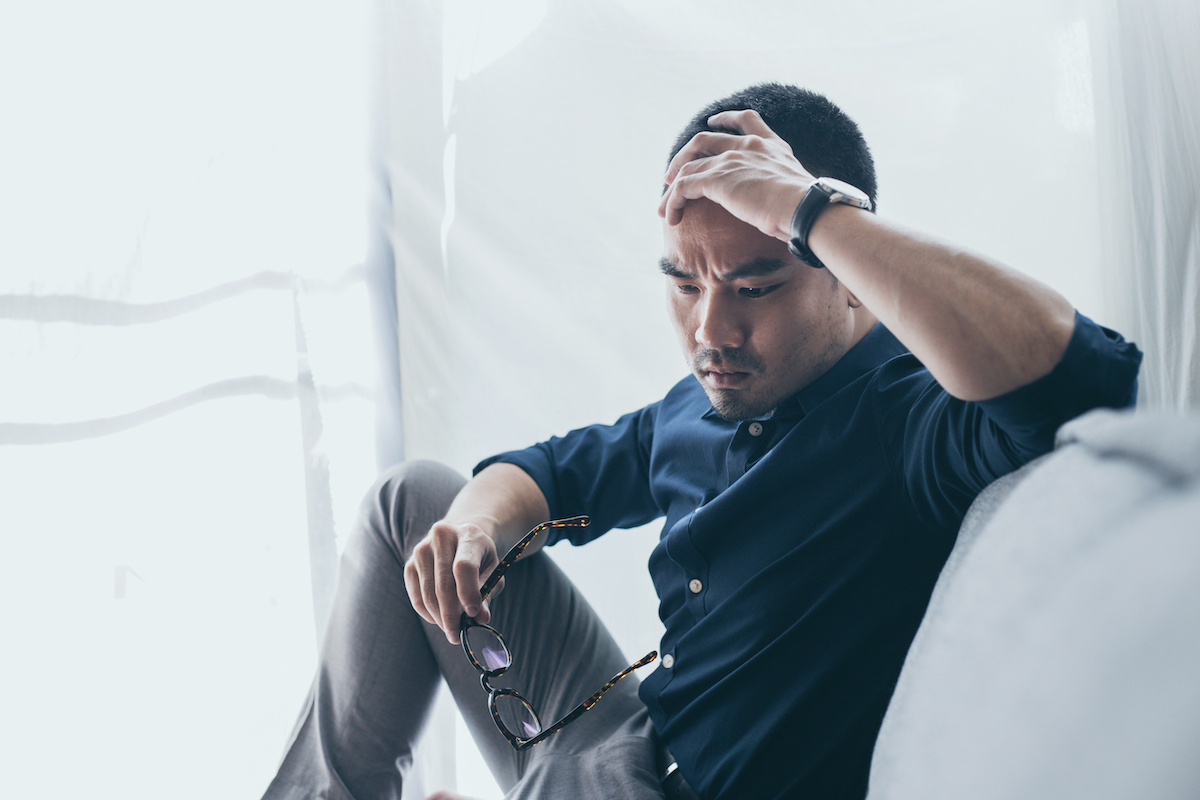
{"x": 1060, "y": 656}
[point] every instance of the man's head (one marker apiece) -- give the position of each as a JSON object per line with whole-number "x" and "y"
{"x": 755, "y": 323}
{"x": 824, "y": 139}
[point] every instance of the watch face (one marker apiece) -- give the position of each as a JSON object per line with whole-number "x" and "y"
{"x": 851, "y": 195}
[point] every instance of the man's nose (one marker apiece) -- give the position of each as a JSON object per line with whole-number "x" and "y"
{"x": 718, "y": 327}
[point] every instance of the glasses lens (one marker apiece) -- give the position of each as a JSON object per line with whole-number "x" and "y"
{"x": 517, "y": 716}
{"x": 488, "y": 649}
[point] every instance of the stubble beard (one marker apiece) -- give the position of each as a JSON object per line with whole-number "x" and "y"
{"x": 733, "y": 405}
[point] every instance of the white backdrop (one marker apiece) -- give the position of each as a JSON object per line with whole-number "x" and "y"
{"x": 187, "y": 415}
{"x": 524, "y": 144}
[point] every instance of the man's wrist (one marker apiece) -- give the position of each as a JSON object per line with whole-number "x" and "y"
{"x": 820, "y": 195}
{"x": 785, "y": 209}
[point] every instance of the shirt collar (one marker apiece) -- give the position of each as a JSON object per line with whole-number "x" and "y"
{"x": 873, "y": 350}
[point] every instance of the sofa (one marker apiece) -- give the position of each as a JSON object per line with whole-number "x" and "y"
{"x": 1060, "y": 656}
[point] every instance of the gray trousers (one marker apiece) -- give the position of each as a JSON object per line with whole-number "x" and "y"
{"x": 380, "y": 664}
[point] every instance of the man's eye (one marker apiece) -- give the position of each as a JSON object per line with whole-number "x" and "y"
{"x": 686, "y": 288}
{"x": 756, "y": 291}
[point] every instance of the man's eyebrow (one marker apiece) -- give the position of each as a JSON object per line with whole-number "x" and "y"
{"x": 670, "y": 269}
{"x": 758, "y": 268}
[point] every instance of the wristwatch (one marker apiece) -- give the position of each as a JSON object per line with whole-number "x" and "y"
{"x": 823, "y": 192}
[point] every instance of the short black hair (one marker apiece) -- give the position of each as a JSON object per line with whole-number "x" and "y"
{"x": 825, "y": 140}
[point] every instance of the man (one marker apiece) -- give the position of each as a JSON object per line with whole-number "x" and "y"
{"x": 854, "y": 385}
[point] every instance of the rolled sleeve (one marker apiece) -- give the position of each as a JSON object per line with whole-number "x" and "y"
{"x": 952, "y": 449}
{"x": 1098, "y": 370}
{"x": 601, "y": 470}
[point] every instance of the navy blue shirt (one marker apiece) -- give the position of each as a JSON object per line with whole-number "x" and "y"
{"x": 799, "y": 551}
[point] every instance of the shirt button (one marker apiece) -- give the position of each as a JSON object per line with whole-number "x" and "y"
{"x": 668, "y": 660}
{"x": 696, "y": 586}
{"x": 756, "y": 429}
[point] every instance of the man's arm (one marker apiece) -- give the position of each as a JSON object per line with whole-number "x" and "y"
{"x": 981, "y": 328}
{"x": 600, "y": 470}
{"x": 491, "y": 513}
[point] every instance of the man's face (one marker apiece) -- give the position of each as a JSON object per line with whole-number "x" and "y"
{"x": 755, "y": 323}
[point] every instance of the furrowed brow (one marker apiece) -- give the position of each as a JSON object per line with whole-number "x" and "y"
{"x": 672, "y": 270}
{"x": 758, "y": 268}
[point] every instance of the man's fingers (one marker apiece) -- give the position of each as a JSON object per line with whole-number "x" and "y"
{"x": 705, "y": 148}
{"x": 750, "y": 172}
{"x": 688, "y": 184}
{"x": 444, "y": 575}
{"x": 747, "y": 122}
{"x": 475, "y": 556}
{"x": 703, "y": 165}
{"x": 751, "y": 132}
{"x": 703, "y": 145}
{"x": 670, "y": 208}
{"x": 421, "y": 587}
{"x": 445, "y": 545}
{"x": 429, "y": 580}
{"x": 412, "y": 582}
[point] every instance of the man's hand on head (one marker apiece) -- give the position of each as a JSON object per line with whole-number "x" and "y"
{"x": 754, "y": 176}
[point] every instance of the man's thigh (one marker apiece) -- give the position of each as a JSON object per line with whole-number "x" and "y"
{"x": 562, "y": 654}
{"x": 626, "y": 763}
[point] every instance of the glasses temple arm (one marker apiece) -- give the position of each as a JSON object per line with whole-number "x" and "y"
{"x": 579, "y": 710}
{"x": 511, "y": 557}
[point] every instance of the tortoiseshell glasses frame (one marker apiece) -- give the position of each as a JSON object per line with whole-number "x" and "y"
{"x": 498, "y": 663}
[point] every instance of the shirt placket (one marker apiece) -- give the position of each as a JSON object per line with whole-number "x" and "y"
{"x": 749, "y": 443}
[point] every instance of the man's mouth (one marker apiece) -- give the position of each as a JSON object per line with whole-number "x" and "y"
{"x": 724, "y": 378}
{"x": 725, "y": 370}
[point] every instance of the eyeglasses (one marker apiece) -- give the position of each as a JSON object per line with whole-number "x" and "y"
{"x": 485, "y": 647}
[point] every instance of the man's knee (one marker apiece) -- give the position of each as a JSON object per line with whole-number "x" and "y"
{"x": 419, "y": 478}
{"x": 407, "y": 499}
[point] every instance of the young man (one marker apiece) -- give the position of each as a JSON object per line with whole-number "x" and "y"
{"x": 854, "y": 385}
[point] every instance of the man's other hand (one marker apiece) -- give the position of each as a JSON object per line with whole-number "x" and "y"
{"x": 445, "y": 572}
{"x": 754, "y": 176}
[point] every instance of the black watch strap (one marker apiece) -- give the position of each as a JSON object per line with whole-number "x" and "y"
{"x": 811, "y": 205}
{"x": 820, "y": 194}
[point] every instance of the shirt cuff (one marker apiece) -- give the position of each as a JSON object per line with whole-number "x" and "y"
{"x": 1098, "y": 370}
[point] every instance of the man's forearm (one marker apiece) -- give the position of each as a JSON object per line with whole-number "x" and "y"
{"x": 505, "y": 502}
{"x": 981, "y": 328}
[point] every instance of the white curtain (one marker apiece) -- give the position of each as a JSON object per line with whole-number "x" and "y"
{"x": 525, "y": 143}
{"x": 188, "y": 412}
{"x": 1151, "y": 165}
